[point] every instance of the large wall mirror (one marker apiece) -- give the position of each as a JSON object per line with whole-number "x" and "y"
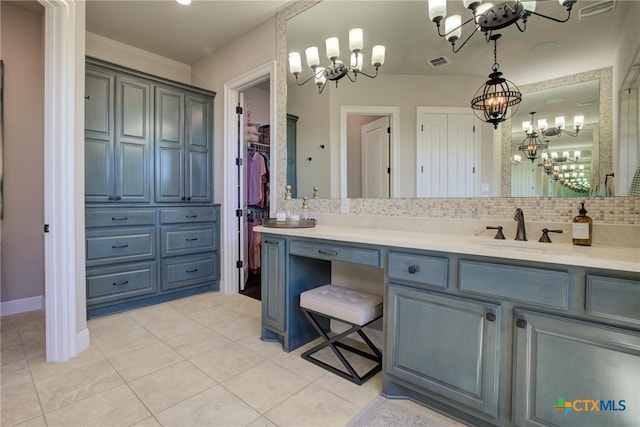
{"x": 548, "y": 63}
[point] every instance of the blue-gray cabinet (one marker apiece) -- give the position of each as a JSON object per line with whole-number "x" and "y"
{"x": 466, "y": 369}
{"x": 273, "y": 285}
{"x": 152, "y": 231}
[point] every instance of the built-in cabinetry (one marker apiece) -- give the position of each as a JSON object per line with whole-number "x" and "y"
{"x": 292, "y": 135}
{"x": 487, "y": 340}
{"x": 152, "y": 231}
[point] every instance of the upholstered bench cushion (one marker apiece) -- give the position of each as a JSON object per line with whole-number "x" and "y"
{"x": 353, "y": 306}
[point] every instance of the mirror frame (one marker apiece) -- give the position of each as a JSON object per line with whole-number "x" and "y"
{"x": 602, "y": 159}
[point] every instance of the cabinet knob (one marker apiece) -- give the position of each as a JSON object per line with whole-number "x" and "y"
{"x": 182, "y": 198}
{"x": 521, "y": 323}
{"x": 118, "y": 198}
{"x": 189, "y": 198}
{"x": 271, "y": 242}
{"x": 413, "y": 269}
{"x": 491, "y": 317}
{"x": 111, "y": 198}
{"x": 124, "y": 282}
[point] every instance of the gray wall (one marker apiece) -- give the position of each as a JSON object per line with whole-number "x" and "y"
{"x": 22, "y": 237}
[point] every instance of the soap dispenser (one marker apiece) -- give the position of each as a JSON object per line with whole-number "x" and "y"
{"x": 582, "y": 228}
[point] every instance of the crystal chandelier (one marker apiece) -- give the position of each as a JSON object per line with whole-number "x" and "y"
{"x": 487, "y": 18}
{"x": 533, "y": 145}
{"x": 337, "y": 69}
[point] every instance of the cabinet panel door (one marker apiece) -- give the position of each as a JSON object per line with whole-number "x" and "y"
{"x": 170, "y": 158}
{"x": 133, "y": 140}
{"x": 292, "y": 174}
{"x": 465, "y": 370}
{"x": 198, "y": 145}
{"x": 99, "y": 136}
{"x": 273, "y": 281}
{"x": 561, "y": 362}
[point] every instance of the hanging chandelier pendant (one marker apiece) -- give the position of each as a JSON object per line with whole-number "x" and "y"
{"x": 501, "y": 16}
{"x": 336, "y": 71}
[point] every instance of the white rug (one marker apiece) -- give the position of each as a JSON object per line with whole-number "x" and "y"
{"x": 382, "y": 412}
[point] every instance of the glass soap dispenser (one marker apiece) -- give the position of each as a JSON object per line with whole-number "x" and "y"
{"x": 582, "y": 228}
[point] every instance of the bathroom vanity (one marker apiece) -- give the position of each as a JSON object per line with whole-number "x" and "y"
{"x": 490, "y": 332}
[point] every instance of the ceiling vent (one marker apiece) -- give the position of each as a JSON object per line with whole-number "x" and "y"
{"x": 596, "y": 9}
{"x": 437, "y": 62}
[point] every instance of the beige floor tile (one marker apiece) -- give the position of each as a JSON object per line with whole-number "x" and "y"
{"x": 174, "y": 326}
{"x": 213, "y": 407}
{"x": 143, "y": 360}
{"x": 118, "y": 340}
{"x": 41, "y": 370}
{"x": 238, "y": 328}
{"x": 15, "y": 373}
{"x": 194, "y": 304}
{"x": 148, "y": 316}
{"x": 196, "y": 342}
{"x": 115, "y": 407}
{"x": 26, "y": 317}
{"x": 265, "y": 349}
{"x": 34, "y": 422}
{"x": 360, "y": 396}
{"x": 246, "y": 306}
{"x": 261, "y": 422}
{"x": 214, "y": 316}
{"x": 168, "y": 386}
{"x": 147, "y": 422}
{"x": 227, "y": 361}
{"x": 313, "y": 406}
{"x": 11, "y": 349}
{"x": 7, "y": 324}
{"x": 78, "y": 383}
{"x": 295, "y": 363}
{"x": 109, "y": 323}
{"x": 265, "y": 386}
{"x": 19, "y": 402}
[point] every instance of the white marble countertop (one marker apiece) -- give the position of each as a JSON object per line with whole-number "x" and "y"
{"x": 606, "y": 257}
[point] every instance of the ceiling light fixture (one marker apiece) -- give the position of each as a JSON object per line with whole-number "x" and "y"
{"x": 337, "y": 69}
{"x": 532, "y": 146}
{"x": 487, "y": 18}
{"x": 184, "y": 2}
{"x": 493, "y": 101}
{"x": 578, "y": 122}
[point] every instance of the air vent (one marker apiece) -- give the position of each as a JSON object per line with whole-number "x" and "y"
{"x": 596, "y": 9}
{"x": 437, "y": 62}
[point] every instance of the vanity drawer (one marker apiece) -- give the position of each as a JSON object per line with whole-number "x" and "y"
{"x": 611, "y": 298}
{"x": 116, "y": 283}
{"x": 186, "y": 271}
{"x": 331, "y": 252}
{"x": 119, "y": 217}
{"x": 188, "y": 215}
{"x": 130, "y": 244}
{"x": 549, "y": 288}
{"x": 425, "y": 269}
{"x": 191, "y": 239}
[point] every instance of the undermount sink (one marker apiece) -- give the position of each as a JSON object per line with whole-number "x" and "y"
{"x": 526, "y": 246}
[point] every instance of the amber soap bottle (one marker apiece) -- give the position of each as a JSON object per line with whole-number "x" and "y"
{"x": 582, "y": 229}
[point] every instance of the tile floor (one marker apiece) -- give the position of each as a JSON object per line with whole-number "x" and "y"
{"x": 197, "y": 361}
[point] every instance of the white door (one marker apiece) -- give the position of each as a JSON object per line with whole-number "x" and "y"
{"x": 243, "y": 235}
{"x": 376, "y": 181}
{"x": 446, "y": 154}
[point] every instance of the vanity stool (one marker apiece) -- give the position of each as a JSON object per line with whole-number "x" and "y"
{"x": 349, "y": 306}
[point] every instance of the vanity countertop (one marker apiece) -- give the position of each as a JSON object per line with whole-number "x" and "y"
{"x": 606, "y": 257}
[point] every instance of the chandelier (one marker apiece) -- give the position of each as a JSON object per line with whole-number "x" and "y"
{"x": 493, "y": 100}
{"x": 487, "y": 18}
{"x": 337, "y": 69}
{"x": 578, "y": 122}
{"x": 533, "y": 145}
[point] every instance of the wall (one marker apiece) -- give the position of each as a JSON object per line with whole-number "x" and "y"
{"x": 22, "y": 236}
{"x": 256, "y": 102}
{"x": 128, "y": 56}
{"x": 225, "y": 64}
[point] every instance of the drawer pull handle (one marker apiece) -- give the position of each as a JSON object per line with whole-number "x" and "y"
{"x": 413, "y": 269}
{"x": 326, "y": 252}
{"x": 120, "y": 219}
{"x": 195, "y": 270}
{"x": 120, "y": 246}
{"x": 271, "y": 242}
{"x": 191, "y": 216}
{"x": 191, "y": 239}
{"x": 521, "y": 323}
{"x": 491, "y": 317}
{"x": 124, "y": 282}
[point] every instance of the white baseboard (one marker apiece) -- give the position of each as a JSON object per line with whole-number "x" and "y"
{"x": 16, "y": 306}
{"x": 82, "y": 340}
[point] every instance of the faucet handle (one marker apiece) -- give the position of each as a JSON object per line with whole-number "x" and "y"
{"x": 499, "y": 234}
{"x": 545, "y": 237}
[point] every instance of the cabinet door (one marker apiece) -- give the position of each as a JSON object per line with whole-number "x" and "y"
{"x": 169, "y": 132}
{"x": 98, "y": 136}
{"x": 446, "y": 346}
{"x": 133, "y": 140}
{"x": 292, "y": 174}
{"x": 273, "y": 279}
{"x": 574, "y": 373}
{"x": 198, "y": 149}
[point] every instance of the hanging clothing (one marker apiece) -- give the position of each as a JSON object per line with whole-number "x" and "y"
{"x": 256, "y": 179}
{"x": 253, "y": 250}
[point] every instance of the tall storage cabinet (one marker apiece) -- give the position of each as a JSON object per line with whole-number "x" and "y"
{"x": 152, "y": 231}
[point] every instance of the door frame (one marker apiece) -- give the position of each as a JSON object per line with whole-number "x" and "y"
{"x": 232, "y": 91}
{"x": 370, "y": 110}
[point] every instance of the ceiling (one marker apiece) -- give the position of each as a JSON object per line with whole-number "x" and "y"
{"x": 183, "y": 33}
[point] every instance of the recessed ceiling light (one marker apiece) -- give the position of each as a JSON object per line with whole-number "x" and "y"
{"x": 184, "y": 2}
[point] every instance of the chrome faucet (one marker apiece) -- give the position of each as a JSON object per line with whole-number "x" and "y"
{"x": 521, "y": 233}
